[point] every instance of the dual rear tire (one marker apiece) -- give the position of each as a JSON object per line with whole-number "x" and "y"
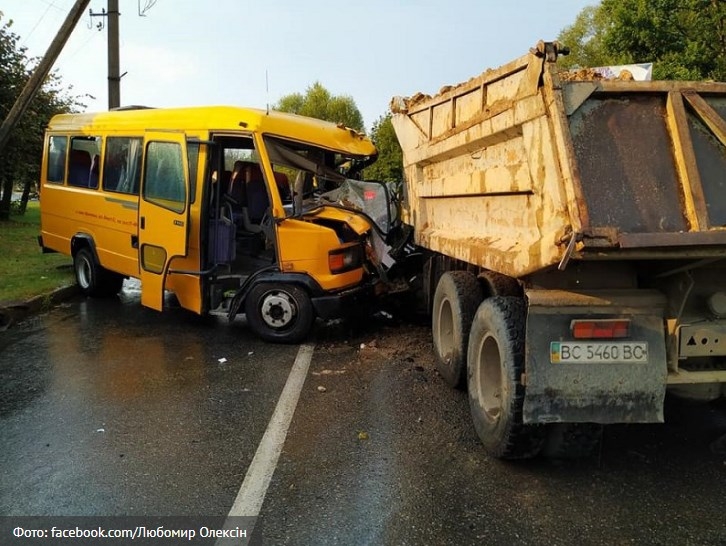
{"x": 457, "y": 297}
{"x": 481, "y": 345}
{"x": 496, "y": 394}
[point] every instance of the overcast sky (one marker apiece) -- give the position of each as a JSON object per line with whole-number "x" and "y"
{"x": 194, "y": 52}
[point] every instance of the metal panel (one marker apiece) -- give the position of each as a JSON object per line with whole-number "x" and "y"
{"x": 704, "y": 339}
{"x": 498, "y": 171}
{"x": 711, "y": 158}
{"x": 599, "y": 393}
{"x": 505, "y": 170}
{"x": 651, "y": 240}
{"x": 627, "y": 173}
{"x": 695, "y": 202}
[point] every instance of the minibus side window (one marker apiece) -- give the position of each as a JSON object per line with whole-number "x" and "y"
{"x": 164, "y": 176}
{"x": 84, "y": 162}
{"x": 122, "y": 165}
{"x": 57, "y": 147}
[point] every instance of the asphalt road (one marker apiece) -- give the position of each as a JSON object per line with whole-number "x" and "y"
{"x": 107, "y": 408}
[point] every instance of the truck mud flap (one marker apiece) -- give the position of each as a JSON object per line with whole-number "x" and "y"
{"x": 596, "y": 387}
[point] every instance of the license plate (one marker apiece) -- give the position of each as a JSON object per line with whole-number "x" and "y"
{"x": 598, "y": 352}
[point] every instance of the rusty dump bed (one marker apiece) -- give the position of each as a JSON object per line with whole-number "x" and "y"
{"x": 518, "y": 169}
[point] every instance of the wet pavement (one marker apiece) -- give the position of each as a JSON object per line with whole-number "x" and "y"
{"x": 107, "y": 408}
{"x": 418, "y": 474}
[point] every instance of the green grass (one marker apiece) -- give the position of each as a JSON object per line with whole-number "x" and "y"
{"x": 24, "y": 270}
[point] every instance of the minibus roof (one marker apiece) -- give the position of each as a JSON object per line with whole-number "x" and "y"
{"x": 217, "y": 119}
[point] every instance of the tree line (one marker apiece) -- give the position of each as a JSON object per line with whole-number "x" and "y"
{"x": 685, "y": 39}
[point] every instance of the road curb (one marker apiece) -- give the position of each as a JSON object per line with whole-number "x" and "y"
{"x": 12, "y": 313}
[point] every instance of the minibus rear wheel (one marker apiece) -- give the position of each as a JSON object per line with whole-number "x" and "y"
{"x": 94, "y": 280}
{"x": 282, "y": 313}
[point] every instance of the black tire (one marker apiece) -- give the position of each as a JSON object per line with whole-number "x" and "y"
{"x": 495, "y": 362}
{"x": 457, "y": 297}
{"x": 572, "y": 440}
{"x": 113, "y": 282}
{"x": 496, "y": 284}
{"x": 281, "y": 313}
{"x": 92, "y": 279}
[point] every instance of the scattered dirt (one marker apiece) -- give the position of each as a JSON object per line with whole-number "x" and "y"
{"x": 404, "y": 343}
{"x": 591, "y": 74}
{"x": 405, "y": 104}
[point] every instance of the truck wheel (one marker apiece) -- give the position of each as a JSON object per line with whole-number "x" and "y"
{"x": 94, "y": 280}
{"x": 457, "y": 297}
{"x": 497, "y": 284}
{"x": 280, "y": 313}
{"x": 572, "y": 440}
{"x": 496, "y": 395}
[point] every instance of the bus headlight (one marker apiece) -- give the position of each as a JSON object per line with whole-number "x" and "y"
{"x": 345, "y": 259}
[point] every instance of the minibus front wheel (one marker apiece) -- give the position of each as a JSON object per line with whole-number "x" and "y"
{"x": 92, "y": 279}
{"x": 282, "y": 313}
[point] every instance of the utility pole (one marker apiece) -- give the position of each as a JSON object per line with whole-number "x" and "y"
{"x": 111, "y": 14}
{"x": 36, "y": 80}
{"x": 114, "y": 78}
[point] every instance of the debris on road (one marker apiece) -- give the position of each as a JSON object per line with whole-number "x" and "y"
{"x": 329, "y": 372}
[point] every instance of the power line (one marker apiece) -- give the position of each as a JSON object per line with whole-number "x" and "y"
{"x": 52, "y": 4}
{"x": 92, "y": 35}
{"x": 147, "y": 6}
{"x": 47, "y": 9}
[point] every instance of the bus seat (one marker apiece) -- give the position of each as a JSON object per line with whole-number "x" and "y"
{"x": 226, "y": 176}
{"x": 283, "y": 186}
{"x": 236, "y": 191}
{"x": 79, "y": 168}
{"x": 222, "y": 248}
{"x": 257, "y": 199}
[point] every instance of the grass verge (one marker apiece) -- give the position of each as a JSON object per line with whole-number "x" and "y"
{"x": 25, "y": 271}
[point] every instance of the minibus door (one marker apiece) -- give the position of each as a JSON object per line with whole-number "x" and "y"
{"x": 163, "y": 212}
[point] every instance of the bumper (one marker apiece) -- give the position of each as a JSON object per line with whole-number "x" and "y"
{"x": 342, "y": 304}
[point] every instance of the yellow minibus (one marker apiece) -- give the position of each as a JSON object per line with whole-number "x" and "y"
{"x": 219, "y": 205}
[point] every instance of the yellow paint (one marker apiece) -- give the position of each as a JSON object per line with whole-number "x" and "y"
{"x": 173, "y": 228}
{"x": 358, "y": 223}
{"x": 304, "y": 248}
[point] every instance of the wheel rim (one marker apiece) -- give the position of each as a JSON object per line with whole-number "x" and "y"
{"x": 445, "y": 329}
{"x": 489, "y": 366}
{"x": 83, "y": 272}
{"x": 278, "y": 309}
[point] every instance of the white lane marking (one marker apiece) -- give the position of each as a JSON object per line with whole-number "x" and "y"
{"x": 254, "y": 487}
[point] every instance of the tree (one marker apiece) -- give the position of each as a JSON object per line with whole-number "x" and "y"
{"x": 389, "y": 166}
{"x": 318, "y": 102}
{"x": 21, "y": 157}
{"x": 685, "y": 39}
{"x": 585, "y": 39}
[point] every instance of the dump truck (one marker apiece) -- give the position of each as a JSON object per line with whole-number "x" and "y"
{"x": 574, "y": 230}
